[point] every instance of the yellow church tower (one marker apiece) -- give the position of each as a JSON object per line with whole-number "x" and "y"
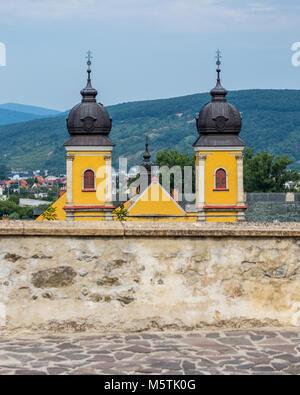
{"x": 219, "y": 159}
{"x": 89, "y": 159}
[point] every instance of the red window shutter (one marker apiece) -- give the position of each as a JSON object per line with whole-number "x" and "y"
{"x": 89, "y": 179}
{"x": 221, "y": 179}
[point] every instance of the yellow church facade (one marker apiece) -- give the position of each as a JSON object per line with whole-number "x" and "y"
{"x": 219, "y": 195}
{"x": 215, "y": 203}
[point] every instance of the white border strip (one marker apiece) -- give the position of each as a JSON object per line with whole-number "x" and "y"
{"x": 89, "y": 148}
{"x": 200, "y": 149}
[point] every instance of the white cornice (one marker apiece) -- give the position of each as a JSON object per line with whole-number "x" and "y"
{"x": 89, "y": 148}
{"x": 201, "y": 149}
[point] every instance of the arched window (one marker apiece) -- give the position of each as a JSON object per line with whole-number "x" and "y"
{"x": 220, "y": 179}
{"x": 89, "y": 180}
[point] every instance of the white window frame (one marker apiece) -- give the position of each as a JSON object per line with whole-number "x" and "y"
{"x": 215, "y": 178}
{"x": 82, "y": 177}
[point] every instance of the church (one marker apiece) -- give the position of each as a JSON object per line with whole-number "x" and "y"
{"x": 219, "y": 194}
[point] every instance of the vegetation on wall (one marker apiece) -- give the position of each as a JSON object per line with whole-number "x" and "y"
{"x": 121, "y": 213}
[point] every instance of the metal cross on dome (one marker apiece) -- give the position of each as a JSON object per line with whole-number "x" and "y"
{"x": 218, "y": 62}
{"x": 219, "y": 57}
{"x": 89, "y": 58}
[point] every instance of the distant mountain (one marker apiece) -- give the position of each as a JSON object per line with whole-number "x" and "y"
{"x": 9, "y": 117}
{"x": 15, "y": 113}
{"x": 43, "y": 112}
{"x": 271, "y": 121}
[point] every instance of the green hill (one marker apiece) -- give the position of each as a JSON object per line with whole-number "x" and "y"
{"x": 271, "y": 121}
{"x": 11, "y": 113}
{"x": 34, "y": 110}
{"x": 10, "y": 116}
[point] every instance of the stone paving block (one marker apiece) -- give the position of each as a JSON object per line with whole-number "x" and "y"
{"x": 290, "y": 335}
{"x": 167, "y": 365}
{"x": 28, "y": 372}
{"x": 286, "y": 348}
{"x": 57, "y": 371}
{"x": 138, "y": 349}
{"x": 165, "y": 353}
{"x": 148, "y": 370}
{"x": 213, "y": 335}
{"x": 263, "y": 368}
{"x": 187, "y": 365}
{"x": 280, "y": 365}
{"x": 234, "y": 341}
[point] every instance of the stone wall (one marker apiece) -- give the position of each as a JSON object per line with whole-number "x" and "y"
{"x": 148, "y": 276}
{"x": 273, "y": 207}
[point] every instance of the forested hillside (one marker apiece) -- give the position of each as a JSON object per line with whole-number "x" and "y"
{"x": 271, "y": 121}
{"x": 11, "y": 113}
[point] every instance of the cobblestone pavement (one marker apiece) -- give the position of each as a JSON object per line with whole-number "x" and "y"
{"x": 224, "y": 352}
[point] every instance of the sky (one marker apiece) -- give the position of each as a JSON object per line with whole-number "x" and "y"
{"x": 144, "y": 49}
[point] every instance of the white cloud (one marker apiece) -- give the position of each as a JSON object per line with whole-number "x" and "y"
{"x": 169, "y": 15}
{"x": 260, "y": 7}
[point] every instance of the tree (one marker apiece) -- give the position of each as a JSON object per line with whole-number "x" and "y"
{"x": 15, "y": 199}
{"x": 14, "y": 216}
{"x": 3, "y": 172}
{"x": 53, "y": 193}
{"x": 30, "y": 182}
{"x": 265, "y": 172}
{"x": 10, "y": 207}
{"x": 174, "y": 158}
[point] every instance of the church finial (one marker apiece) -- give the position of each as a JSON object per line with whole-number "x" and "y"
{"x": 89, "y": 63}
{"x": 146, "y": 166}
{"x": 89, "y": 93}
{"x": 218, "y": 63}
{"x": 147, "y": 143}
{"x": 218, "y": 93}
{"x": 147, "y": 154}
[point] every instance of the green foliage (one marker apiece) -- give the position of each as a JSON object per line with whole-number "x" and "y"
{"x": 174, "y": 158}
{"x": 50, "y": 214}
{"x": 121, "y": 213}
{"x": 53, "y": 193}
{"x": 14, "y": 198}
{"x": 3, "y": 172}
{"x": 30, "y": 182}
{"x": 267, "y": 173}
{"x": 14, "y": 216}
{"x": 9, "y": 207}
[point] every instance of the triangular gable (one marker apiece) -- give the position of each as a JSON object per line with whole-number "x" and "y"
{"x": 155, "y": 200}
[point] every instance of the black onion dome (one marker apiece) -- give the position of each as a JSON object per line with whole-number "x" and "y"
{"x": 219, "y": 116}
{"x": 89, "y": 116}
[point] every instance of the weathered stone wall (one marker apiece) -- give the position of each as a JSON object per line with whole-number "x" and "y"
{"x": 141, "y": 276}
{"x": 273, "y": 207}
